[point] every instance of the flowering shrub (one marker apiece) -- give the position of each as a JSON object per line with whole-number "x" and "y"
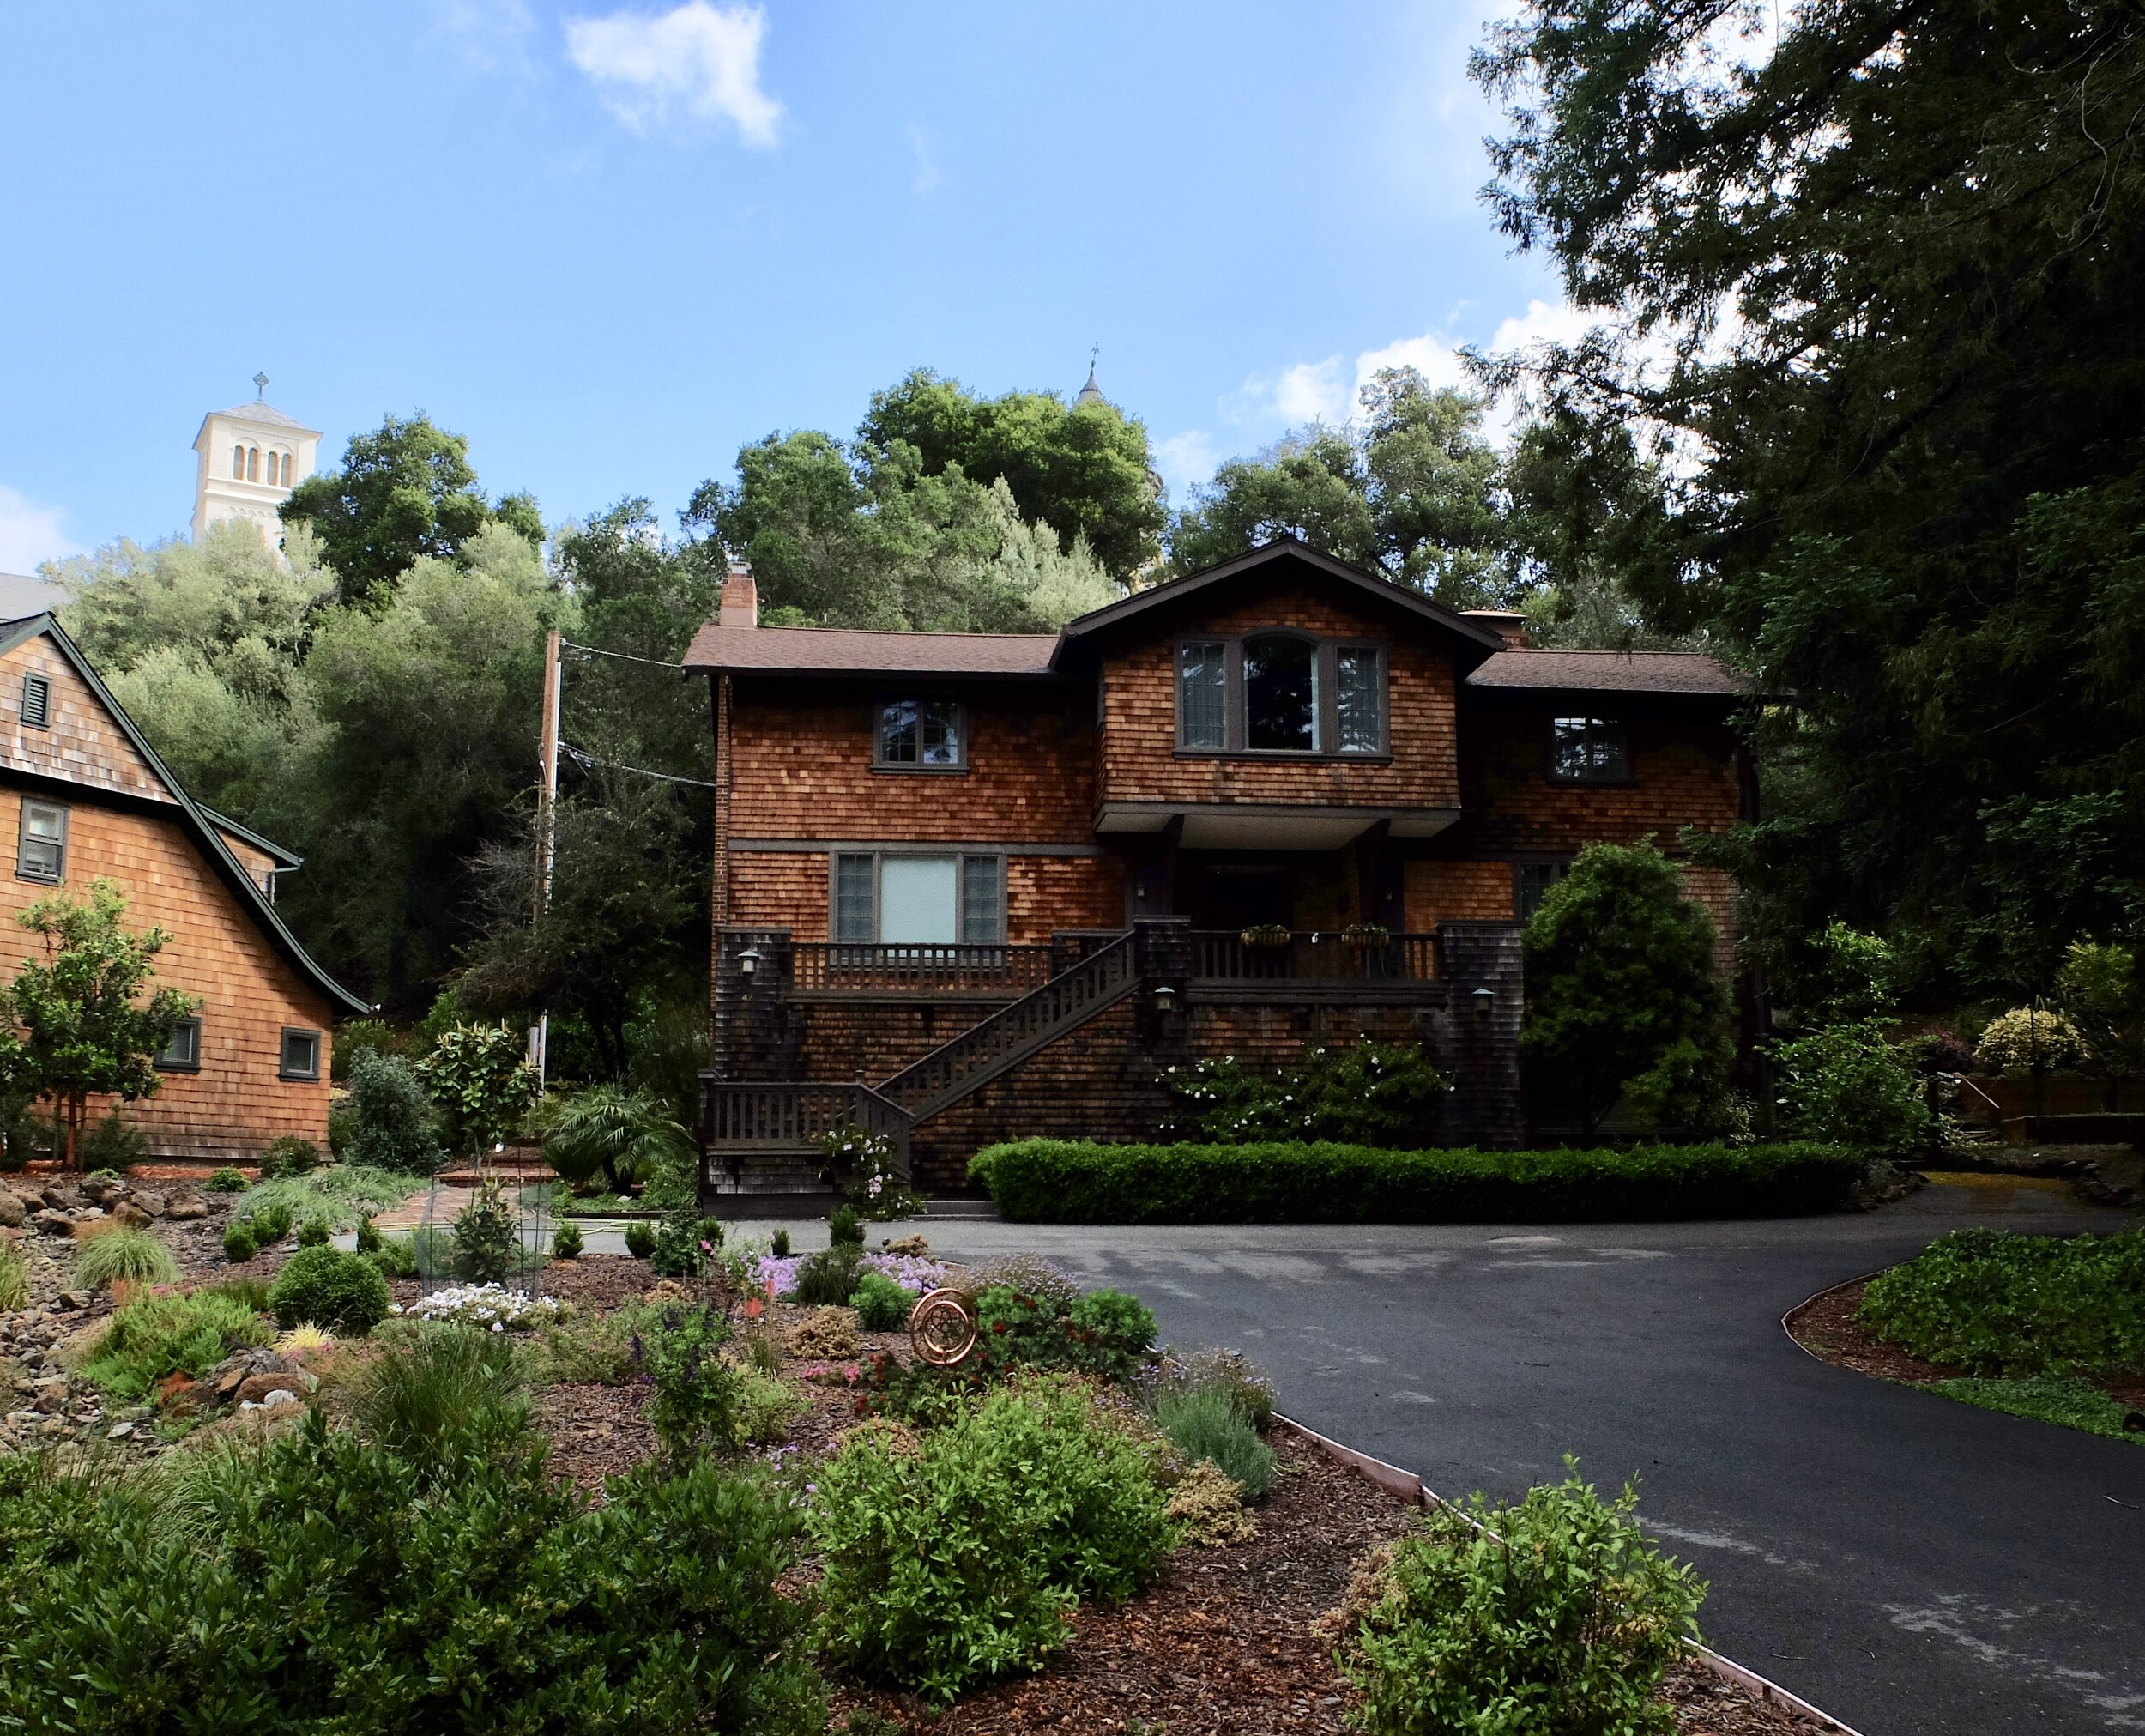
{"x": 488, "y": 1307}
{"x": 775, "y": 1274}
{"x": 874, "y": 1186}
{"x": 696, "y": 1406}
{"x": 2030, "y": 1039}
{"x": 1373, "y": 1094}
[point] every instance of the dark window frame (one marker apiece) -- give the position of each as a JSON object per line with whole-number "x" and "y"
{"x": 1326, "y": 651}
{"x": 876, "y": 857}
{"x": 1598, "y": 727}
{"x": 1555, "y": 866}
{"x": 283, "y": 1068}
{"x": 164, "y": 1063}
{"x": 919, "y": 766}
{"x": 23, "y": 871}
{"x": 40, "y": 716}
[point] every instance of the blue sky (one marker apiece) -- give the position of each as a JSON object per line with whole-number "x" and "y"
{"x": 609, "y": 245}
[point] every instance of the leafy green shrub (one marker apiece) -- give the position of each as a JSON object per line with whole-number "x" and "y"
{"x": 685, "y": 1244}
{"x": 1105, "y": 1333}
{"x": 1112, "y": 1333}
{"x": 225, "y": 1180}
{"x": 1066, "y": 1180}
{"x": 121, "y": 1254}
{"x": 1563, "y": 1620}
{"x": 314, "y": 1231}
{"x": 368, "y": 1240}
{"x": 695, "y": 1407}
{"x": 240, "y": 1241}
{"x": 15, "y": 1278}
{"x": 844, "y": 1227}
{"x": 479, "y": 1077}
{"x": 566, "y": 1240}
{"x": 393, "y": 1124}
{"x": 338, "y": 1292}
{"x": 1386, "y": 1092}
{"x": 186, "y": 1332}
{"x": 342, "y": 1586}
{"x": 828, "y": 1278}
{"x": 1848, "y": 1085}
{"x": 114, "y": 1144}
{"x": 271, "y": 1221}
{"x": 355, "y": 1038}
{"x": 1995, "y": 1302}
{"x": 766, "y": 1406}
{"x": 609, "y": 1136}
{"x": 952, "y": 1558}
{"x": 488, "y": 1238}
{"x": 881, "y": 1304}
{"x": 251, "y": 1291}
{"x": 395, "y": 1257}
{"x": 1203, "y": 1424}
{"x": 640, "y": 1238}
{"x": 778, "y": 1245}
{"x": 289, "y": 1155}
{"x": 2029, "y": 1040}
{"x": 581, "y": 1348}
{"x": 1230, "y": 1373}
{"x": 421, "y": 1393}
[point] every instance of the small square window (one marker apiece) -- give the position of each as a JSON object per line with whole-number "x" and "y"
{"x": 37, "y": 702}
{"x": 922, "y": 732}
{"x": 301, "y": 1053}
{"x": 40, "y": 851}
{"x": 183, "y": 1053}
{"x": 1589, "y": 750}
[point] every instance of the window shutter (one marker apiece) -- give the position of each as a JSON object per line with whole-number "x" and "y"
{"x": 37, "y": 702}
{"x": 982, "y": 899}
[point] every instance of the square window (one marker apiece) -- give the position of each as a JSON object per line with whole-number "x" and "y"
{"x": 40, "y": 852}
{"x": 1203, "y": 695}
{"x": 925, "y": 733}
{"x": 1359, "y": 698}
{"x": 919, "y": 900}
{"x": 301, "y": 1053}
{"x": 183, "y": 1053}
{"x": 37, "y": 702}
{"x": 1588, "y": 750}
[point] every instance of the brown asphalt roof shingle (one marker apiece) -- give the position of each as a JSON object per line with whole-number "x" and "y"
{"x": 834, "y": 650}
{"x": 1610, "y": 672}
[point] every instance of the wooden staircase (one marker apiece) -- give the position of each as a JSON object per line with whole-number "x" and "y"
{"x": 759, "y": 1138}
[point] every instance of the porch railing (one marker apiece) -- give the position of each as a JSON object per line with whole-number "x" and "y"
{"x": 841, "y": 967}
{"x": 1312, "y": 956}
{"x": 745, "y": 1117}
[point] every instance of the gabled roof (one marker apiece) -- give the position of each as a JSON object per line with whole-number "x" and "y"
{"x": 834, "y": 650}
{"x": 1283, "y": 549}
{"x": 1611, "y": 672}
{"x": 197, "y": 818}
{"x": 282, "y": 855}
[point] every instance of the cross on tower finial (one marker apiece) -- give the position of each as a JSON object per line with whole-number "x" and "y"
{"x": 260, "y": 388}
{"x": 1094, "y": 355}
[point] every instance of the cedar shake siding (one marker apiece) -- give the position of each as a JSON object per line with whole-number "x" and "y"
{"x": 1123, "y": 853}
{"x": 204, "y": 880}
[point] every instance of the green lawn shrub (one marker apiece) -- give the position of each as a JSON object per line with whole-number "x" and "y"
{"x": 585, "y": 1347}
{"x": 1105, "y": 1332}
{"x": 1850, "y": 1085}
{"x": 1068, "y": 1181}
{"x": 1564, "y": 1620}
{"x": 327, "y": 1580}
{"x": 2062, "y": 1399}
{"x": 423, "y": 1389}
{"x": 314, "y": 1231}
{"x": 487, "y": 1239}
{"x": 953, "y": 1558}
{"x": 686, "y": 1243}
{"x": 114, "y": 1144}
{"x": 241, "y": 1241}
{"x": 1995, "y": 1302}
{"x": 181, "y": 1332}
{"x": 828, "y": 1278}
{"x": 342, "y": 1193}
{"x": 289, "y": 1155}
{"x": 225, "y": 1180}
{"x": 640, "y": 1238}
{"x": 339, "y": 1293}
{"x": 845, "y": 1228}
{"x": 881, "y": 1304}
{"x": 1204, "y": 1424}
{"x": 566, "y": 1240}
{"x": 1382, "y": 1093}
{"x": 392, "y": 1124}
{"x": 120, "y": 1255}
{"x": 369, "y": 1241}
{"x": 696, "y": 1403}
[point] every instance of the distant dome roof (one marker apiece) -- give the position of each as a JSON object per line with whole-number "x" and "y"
{"x": 1090, "y": 393}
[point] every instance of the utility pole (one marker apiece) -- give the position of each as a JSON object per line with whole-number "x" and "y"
{"x": 547, "y": 836}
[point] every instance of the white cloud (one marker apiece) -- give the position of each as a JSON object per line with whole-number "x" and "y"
{"x": 698, "y": 61}
{"x": 1310, "y": 391}
{"x": 30, "y": 534}
{"x": 491, "y": 35}
{"x": 1184, "y": 460}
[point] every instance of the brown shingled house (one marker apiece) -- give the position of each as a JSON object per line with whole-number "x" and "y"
{"x": 973, "y": 886}
{"x": 87, "y": 796}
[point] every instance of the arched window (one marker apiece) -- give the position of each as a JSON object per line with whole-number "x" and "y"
{"x": 275, "y": 468}
{"x": 238, "y": 463}
{"x": 253, "y": 463}
{"x": 286, "y": 469}
{"x": 1281, "y": 693}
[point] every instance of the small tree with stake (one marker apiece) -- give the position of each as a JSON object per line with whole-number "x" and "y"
{"x": 479, "y": 1077}
{"x": 75, "y": 1028}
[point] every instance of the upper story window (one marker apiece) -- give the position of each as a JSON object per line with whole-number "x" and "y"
{"x": 40, "y": 849}
{"x": 238, "y": 463}
{"x": 37, "y": 702}
{"x": 920, "y": 735}
{"x": 1589, "y": 750}
{"x": 253, "y": 463}
{"x": 1280, "y": 692}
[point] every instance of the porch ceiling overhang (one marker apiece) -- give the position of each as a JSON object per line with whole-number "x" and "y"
{"x": 1268, "y": 825}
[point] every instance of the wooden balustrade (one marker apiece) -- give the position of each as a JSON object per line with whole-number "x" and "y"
{"x": 845, "y": 967}
{"x": 1312, "y": 956}
{"x": 741, "y": 1117}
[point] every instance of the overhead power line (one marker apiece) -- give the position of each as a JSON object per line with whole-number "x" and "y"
{"x": 581, "y": 756}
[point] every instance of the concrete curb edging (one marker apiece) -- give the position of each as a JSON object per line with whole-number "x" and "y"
{"x": 1406, "y": 1485}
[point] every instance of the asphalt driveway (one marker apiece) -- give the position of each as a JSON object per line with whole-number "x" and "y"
{"x": 1909, "y": 1563}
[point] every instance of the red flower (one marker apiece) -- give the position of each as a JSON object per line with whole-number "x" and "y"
{"x": 998, "y": 1326}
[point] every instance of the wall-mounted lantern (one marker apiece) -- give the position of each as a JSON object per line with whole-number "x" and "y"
{"x": 748, "y": 961}
{"x": 1165, "y": 998}
{"x": 1485, "y": 1000}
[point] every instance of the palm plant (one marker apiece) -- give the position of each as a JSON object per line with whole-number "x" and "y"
{"x": 624, "y": 1135}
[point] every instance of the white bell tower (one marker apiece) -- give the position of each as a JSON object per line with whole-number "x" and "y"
{"x": 252, "y": 457}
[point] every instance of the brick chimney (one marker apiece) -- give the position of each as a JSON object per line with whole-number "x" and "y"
{"x": 740, "y": 597}
{"x": 1509, "y": 624}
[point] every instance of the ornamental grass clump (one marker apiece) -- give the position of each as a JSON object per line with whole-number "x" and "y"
{"x": 954, "y": 1557}
{"x": 1554, "y": 1616}
{"x": 15, "y": 1278}
{"x": 421, "y": 1393}
{"x": 122, "y": 1255}
{"x": 1229, "y": 1372}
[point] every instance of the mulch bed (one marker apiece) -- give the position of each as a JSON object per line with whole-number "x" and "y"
{"x": 594, "y": 1431}
{"x": 1826, "y": 1326}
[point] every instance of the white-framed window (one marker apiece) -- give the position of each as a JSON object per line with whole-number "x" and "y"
{"x": 1589, "y": 750}
{"x": 183, "y": 1053}
{"x": 301, "y": 1053}
{"x": 920, "y": 735}
{"x": 1280, "y": 691}
{"x": 918, "y": 898}
{"x": 36, "y": 701}
{"x": 41, "y": 847}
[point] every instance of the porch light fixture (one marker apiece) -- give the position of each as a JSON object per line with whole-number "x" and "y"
{"x": 1165, "y": 998}
{"x": 748, "y": 961}
{"x": 1484, "y": 998}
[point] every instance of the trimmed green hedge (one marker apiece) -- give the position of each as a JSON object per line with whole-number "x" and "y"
{"x": 1070, "y": 1181}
